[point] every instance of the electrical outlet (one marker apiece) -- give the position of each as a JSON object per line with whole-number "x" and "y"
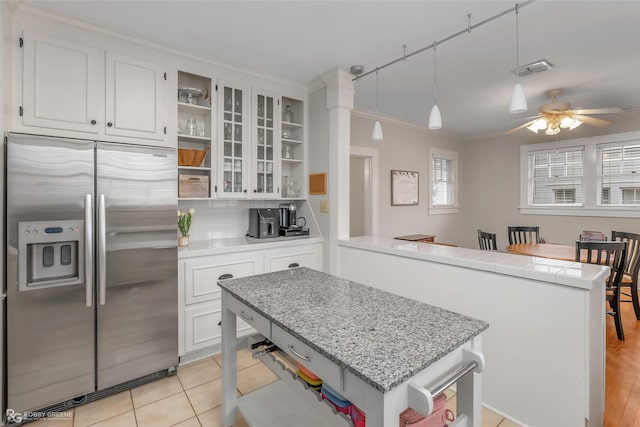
{"x": 324, "y": 206}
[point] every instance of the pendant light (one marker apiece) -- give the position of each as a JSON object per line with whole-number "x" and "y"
{"x": 377, "y": 127}
{"x": 518, "y": 100}
{"x": 435, "y": 118}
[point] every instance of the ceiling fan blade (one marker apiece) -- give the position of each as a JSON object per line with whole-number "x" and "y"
{"x": 593, "y": 120}
{"x": 610, "y": 110}
{"x": 519, "y": 127}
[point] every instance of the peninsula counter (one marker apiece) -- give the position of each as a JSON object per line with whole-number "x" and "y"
{"x": 545, "y": 349}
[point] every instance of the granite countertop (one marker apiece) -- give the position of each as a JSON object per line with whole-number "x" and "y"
{"x": 380, "y": 337}
{"x": 566, "y": 273}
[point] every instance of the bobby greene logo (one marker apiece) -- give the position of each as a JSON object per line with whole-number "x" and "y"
{"x": 18, "y": 417}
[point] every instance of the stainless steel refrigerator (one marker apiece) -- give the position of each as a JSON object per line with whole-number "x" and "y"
{"x": 91, "y": 267}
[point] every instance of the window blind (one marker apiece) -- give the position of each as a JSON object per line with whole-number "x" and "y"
{"x": 619, "y": 172}
{"x": 556, "y": 177}
{"x": 443, "y": 181}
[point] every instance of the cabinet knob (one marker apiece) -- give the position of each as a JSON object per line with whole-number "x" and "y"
{"x": 110, "y": 124}
{"x": 255, "y": 191}
{"x": 93, "y": 122}
{"x": 245, "y": 190}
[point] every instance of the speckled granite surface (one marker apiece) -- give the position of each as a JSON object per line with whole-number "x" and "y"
{"x": 380, "y": 337}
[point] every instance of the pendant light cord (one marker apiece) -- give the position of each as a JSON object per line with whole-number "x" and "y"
{"x": 377, "y": 90}
{"x": 517, "y": 46}
{"x": 435, "y": 93}
{"x": 467, "y": 30}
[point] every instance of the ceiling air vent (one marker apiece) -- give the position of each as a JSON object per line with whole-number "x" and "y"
{"x": 534, "y": 67}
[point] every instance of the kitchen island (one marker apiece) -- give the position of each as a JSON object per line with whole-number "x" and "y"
{"x": 381, "y": 351}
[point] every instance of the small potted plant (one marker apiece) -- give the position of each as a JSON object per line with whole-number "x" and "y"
{"x": 184, "y": 223}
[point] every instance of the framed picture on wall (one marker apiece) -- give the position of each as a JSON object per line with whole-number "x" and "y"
{"x": 404, "y": 188}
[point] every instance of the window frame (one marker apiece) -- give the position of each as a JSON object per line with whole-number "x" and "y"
{"x": 559, "y": 182}
{"x": 590, "y": 206}
{"x": 453, "y": 157}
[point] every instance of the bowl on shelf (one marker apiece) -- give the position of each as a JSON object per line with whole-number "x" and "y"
{"x": 187, "y": 157}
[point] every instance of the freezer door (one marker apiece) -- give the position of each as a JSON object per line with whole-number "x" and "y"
{"x": 50, "y": 330}
{"x": 137, "y": 262}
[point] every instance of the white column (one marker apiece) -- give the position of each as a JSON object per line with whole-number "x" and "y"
{"x": 339, "y": 87}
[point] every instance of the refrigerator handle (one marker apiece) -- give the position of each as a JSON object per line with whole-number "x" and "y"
{"x": 88, "y": 249}
{"x": 102, "y": 251}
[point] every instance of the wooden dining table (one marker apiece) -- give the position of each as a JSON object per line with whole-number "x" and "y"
{"x": 553, "y": 251}
{"x": 544, "y": 250}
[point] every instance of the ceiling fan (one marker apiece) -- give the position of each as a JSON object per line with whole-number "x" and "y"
{"x": 558, "y": 115}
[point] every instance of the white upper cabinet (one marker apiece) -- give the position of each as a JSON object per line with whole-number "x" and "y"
{"x": 134, "y": 98}
{"x": 72, "y": 89}
{"x": 61, "y": 84}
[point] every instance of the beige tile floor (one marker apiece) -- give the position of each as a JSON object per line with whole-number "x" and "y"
{"x": 192, "y": 398}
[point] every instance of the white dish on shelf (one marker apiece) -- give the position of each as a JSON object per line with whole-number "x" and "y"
{"x": 190, "y": 93}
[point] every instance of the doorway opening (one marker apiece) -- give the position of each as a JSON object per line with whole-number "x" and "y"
{"x": 363, "y": 205}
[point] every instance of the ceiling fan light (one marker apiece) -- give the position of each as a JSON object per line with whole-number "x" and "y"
{"x": 575, "y": 124}
{"x": 566, "y": 122}
{"x": 518, "y": 100}
{"x": 537, "y": 125}
{"x": 552, "y": 131}
{"x": 377, "y": 131}
{"x": 435, "y": 118}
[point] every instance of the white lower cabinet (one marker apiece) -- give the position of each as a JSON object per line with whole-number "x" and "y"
{"x": 201, "y": 296}
{"x": 200, "y": 304}
{"x": 202, "y": 325}
{"x": 292, "y": 257}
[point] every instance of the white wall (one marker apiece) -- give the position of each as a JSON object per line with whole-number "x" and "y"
{"x": 319, "y": 157}
{"x": 406, "y": 147}
{"x": 491, "y": 194}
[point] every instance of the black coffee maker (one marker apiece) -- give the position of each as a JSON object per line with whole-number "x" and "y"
{"x": 289, "y": 221}
{"x": 288, "y": 215}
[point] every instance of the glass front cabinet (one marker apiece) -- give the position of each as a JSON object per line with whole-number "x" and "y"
{"x": 265, "y": 179}
{"x": 233, "y": 141}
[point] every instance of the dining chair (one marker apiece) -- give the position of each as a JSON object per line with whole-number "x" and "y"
{"x": 631, "y": 267}
{"x": 614, "y": 255}
{"x": 524, "y": 234}
{"x": 487, "y": 241}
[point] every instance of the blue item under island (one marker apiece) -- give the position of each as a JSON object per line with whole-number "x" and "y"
{"x": 379, "y": 350}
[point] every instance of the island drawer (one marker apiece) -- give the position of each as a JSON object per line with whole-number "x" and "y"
{"x": 321, "y": 366}
{"x": 259, "y": 322}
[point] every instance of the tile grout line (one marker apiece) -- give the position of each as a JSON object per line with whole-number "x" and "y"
{"x": 108, "y": 418}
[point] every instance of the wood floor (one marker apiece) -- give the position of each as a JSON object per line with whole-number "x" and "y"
{"x": 622, "y": 394}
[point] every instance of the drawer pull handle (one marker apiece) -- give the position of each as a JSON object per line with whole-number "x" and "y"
{"x": 294, "y": 265}
{"x": 301, "y": 356}
{"x": 245, "y": 316}
{"x": 225, "y": 276}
